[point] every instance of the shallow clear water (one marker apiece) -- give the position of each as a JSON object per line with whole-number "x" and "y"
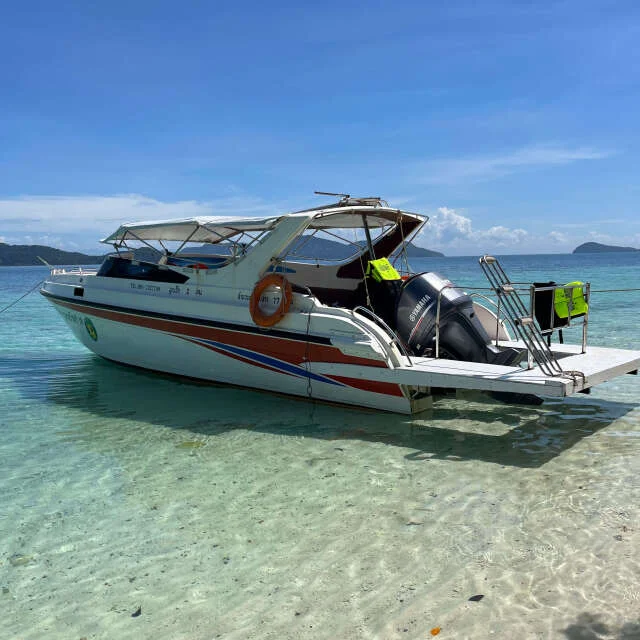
{"x": 235, "y": 514}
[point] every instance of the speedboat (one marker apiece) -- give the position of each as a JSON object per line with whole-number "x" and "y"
{"x": 321, "y": 304}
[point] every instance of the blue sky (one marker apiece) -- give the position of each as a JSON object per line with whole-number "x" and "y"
{"x": 512, "y": 124}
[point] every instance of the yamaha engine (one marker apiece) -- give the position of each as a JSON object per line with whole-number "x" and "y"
{"x": 462, "y": 336}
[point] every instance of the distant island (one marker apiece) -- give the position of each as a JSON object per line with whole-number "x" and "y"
{"x": 314, "y": 246}
{"x": 596, "y": 247}
{"x": 24, "y": 255}
{"x": 413, "y": 251}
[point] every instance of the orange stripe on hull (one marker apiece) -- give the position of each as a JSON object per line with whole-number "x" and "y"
{"x": 293, "y": 351}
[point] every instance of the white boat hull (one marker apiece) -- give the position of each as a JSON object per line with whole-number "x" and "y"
{"x": 229, "y": 356}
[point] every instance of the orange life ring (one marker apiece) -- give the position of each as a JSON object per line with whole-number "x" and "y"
{"x": 271, "y": 280}
{"x": 197, "y": 265}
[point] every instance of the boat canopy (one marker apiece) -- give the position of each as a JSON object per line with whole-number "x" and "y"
{"x": 201, "y": 229}
{"x": 218, "y": 229}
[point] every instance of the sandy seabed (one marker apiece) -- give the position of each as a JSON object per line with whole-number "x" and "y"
{"x": 221, "y": 513}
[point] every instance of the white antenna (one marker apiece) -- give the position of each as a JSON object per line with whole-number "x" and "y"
{"x": 44, "y": 262}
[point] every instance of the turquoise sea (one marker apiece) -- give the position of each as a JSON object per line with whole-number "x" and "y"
{"x": 134, "y": 505}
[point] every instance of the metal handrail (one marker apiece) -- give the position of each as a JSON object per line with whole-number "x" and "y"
{"x": 378, "y": 320}
{"x": 536, "y": 348}
{"x": 526, "y": 326}
{"x": 77, "y": 270}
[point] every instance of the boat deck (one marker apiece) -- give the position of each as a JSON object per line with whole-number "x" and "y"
{"x": 597, "y": 365}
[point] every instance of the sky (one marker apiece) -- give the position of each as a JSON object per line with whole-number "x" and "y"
{"x": 513, "y": 125}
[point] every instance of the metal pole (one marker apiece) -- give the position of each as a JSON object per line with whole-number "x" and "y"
{"x": 438, "y": 325}
{"x": 586, "y": 317}
{"x": 552, "y": 310}
{"x": 532, "y": 303}
{"x": 532, "y": 300}
{"x": 368, "y": 234}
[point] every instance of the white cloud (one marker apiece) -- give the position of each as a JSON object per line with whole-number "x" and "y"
{"x": 76, "y": 223}
{"x": 487, "y": 167}
{"x": 593, "y": 223}
{"x": 500, "y": 236}
{"x": 447, "y": 226}
{"x": 596, "y": 236}
{"x": 454, "y": 233}
{"x": 558, "y": 237}
{"x": 101, "y": 214}
{"x": 448, "y": 229}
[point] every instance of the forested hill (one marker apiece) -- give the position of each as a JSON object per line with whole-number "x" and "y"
{"x": 315, "y": 247}
{"x": 17, "y": 255}
{"x": 413, "y": 251}
{"x": 596, "y": 247}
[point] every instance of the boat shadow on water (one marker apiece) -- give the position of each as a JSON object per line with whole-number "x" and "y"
{"x": 455, "y": 429}
{"x": 589, "y": 626}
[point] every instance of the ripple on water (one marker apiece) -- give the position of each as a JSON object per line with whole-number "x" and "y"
{"x": 227, "y": 513}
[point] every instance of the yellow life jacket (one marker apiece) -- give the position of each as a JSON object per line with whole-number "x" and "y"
{"x": 570, "y": 293}
{"x": 382, "y": 269}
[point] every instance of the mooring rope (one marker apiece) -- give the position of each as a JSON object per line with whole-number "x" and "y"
{"x": 612, "y": 290}
{"x": 21, "y": 297}
{"x": 366, "y": 288}
{"x": 526, "y": 290}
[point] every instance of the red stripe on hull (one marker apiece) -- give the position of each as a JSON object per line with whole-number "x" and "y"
{"x": 292, "y": 351}
{"x": 385, "y": 388}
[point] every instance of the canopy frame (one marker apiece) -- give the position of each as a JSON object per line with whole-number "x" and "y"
{"x": 366, "y": 215}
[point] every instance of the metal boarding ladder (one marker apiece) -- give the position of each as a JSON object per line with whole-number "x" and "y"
{"x": 520, "y": 317}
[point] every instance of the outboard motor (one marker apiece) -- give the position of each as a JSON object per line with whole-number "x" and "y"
{"x": 462, "y": 336}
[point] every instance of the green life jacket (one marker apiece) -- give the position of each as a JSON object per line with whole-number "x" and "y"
{"x": 382, "y": 269}
{"x": 570, "y": 299}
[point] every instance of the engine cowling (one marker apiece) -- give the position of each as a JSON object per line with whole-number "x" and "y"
{"x": 462, "y": 336}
